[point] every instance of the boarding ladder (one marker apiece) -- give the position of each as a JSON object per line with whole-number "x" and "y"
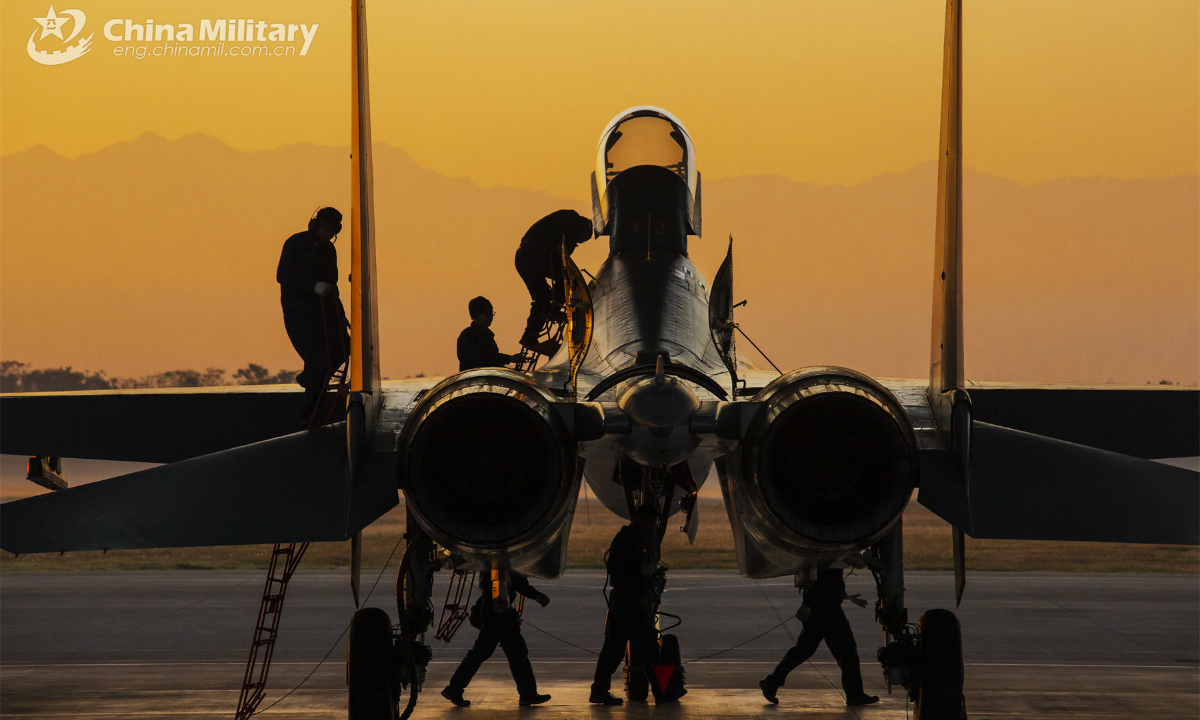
{"x": 326, "y": 410}
{"x": 552, "y": 331}
{"x": 266, "y": 630}
{"x": 338, "y": 382}
{"x": 457, "y": 607}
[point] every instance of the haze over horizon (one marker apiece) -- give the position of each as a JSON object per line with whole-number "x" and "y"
{"x": 166, "y": 260}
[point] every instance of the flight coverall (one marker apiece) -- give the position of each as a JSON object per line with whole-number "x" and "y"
{"x": 630, "y": 605}
{"x": 501, "y": 628}
{"x": 477, "y": 348}
{"x": 319, "y": 335}
{"x": 826, "y": 621}
{"x": 540, "y": 259}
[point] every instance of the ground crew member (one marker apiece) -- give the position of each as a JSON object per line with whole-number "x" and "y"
{"x": 312, "y": 311}
{"x": 632, "y": 561}
{"x": 823, "y": 618}
{"x": 499, "y": 627}
{"x": 477, "y": 344}
{"x": 540, "y": 259}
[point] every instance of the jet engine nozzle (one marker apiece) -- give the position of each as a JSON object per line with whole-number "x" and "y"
{"x": 826, "y": 466}
{"x": 660, "y": 409}
{"x": 489, "y": 470}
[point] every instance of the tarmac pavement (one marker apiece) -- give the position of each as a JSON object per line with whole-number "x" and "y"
{"x": 173, "y": 645}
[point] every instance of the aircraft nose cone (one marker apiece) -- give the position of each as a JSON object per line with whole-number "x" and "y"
{"x": 660, "y": 411}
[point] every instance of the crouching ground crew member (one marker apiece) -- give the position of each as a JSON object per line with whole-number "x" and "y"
{"x": 312, "y": 311}
{"x": 499, "y": 626}
{"x": 540, "y": 259}
{"x": 823, "y": 618}
{"x": 477, "y": 344}
{"x": 632, "y": 561}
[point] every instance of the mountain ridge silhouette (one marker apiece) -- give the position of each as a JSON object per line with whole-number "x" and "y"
{"x": 156, "y": 254}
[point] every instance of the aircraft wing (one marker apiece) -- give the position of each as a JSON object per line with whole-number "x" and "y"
{"x": 159, "y": 426}
{"x": 1142, "y": 421}
{"x": 1065, "y": 463}
{"x": 294, "y": 488}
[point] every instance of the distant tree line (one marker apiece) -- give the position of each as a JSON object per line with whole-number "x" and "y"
{"x": 17, "y": 377}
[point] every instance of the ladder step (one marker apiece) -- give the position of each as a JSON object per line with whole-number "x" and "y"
{"x": 265, "y": 635}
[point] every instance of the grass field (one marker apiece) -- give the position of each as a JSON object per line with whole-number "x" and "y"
{"x": 926, "y": 541}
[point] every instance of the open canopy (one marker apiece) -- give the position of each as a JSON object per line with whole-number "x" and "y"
{"x": 644, "y": 136}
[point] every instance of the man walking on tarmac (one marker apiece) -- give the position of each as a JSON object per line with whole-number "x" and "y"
{"x": 312, "y": 311}
{"x": 823, "y": 618}
{"x": 499, "y": 624}
{"x": 632, "y": 561}
{"x": 477, "y": 343}
{"x": 540, "y": 259}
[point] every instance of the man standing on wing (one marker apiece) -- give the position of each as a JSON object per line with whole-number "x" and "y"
{"x": 477, "y": 343}
{"x": 312, "y": 311}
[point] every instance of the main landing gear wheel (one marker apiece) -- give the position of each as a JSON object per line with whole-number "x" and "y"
{"x": 369, "y": 672}
{"x": 940, "y": 696}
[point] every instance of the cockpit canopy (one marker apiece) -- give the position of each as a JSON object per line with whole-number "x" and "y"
{"x": 644, "y": 136}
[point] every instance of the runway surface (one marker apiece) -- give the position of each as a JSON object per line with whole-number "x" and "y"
{"x": 173, "y": 645}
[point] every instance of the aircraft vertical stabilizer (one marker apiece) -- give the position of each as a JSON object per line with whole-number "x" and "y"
{"x": 364, "y": 320}
{"x": 946, "y": 346}
{"x": 946, "y": 378}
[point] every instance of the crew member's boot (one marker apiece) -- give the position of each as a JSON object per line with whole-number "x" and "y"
{"x": 604, "y": 697}
{"x": 534, "y": 699}
{"x": 455, "y": 695}
{"x": 769, "y": 686}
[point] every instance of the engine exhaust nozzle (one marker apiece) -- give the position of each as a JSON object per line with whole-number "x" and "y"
{"x": 489, "y": 465}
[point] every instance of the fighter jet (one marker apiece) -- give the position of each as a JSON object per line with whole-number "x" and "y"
{"x": 647, "y": 393}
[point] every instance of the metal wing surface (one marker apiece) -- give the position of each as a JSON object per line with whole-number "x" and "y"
{"x": 1145, "y": 422}
{"x": 1064, "y": 463}
{"x": 293, "y": 488}
{"x": 160, "y": 426}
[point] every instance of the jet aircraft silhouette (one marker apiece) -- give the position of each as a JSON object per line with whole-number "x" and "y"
{"x": 647, "y": 393}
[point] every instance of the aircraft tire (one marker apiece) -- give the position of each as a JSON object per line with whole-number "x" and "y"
{"x": 637, "y": 685}
{"x": 940, "y": 696}
{"x": 369, "y": 685}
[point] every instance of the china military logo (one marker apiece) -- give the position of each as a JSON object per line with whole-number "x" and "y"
{"x": 56, "y": 53}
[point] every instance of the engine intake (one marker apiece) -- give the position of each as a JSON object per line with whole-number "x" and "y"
{"x": 488, "y": 468}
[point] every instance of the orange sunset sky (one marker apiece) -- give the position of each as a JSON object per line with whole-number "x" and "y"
{"x": 515, "y": 94}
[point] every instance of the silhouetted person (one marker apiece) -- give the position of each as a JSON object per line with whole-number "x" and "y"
{"x": 477, "y": 343}
{"x": 823, "y": 618}
{"x": 312, "y": 311}
{"x": 632, "y": 561}
{"x": 540, "y": 259}
{"x": 499, "y": 627}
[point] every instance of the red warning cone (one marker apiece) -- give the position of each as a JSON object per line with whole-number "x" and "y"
{"x": 663, "y": 673}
